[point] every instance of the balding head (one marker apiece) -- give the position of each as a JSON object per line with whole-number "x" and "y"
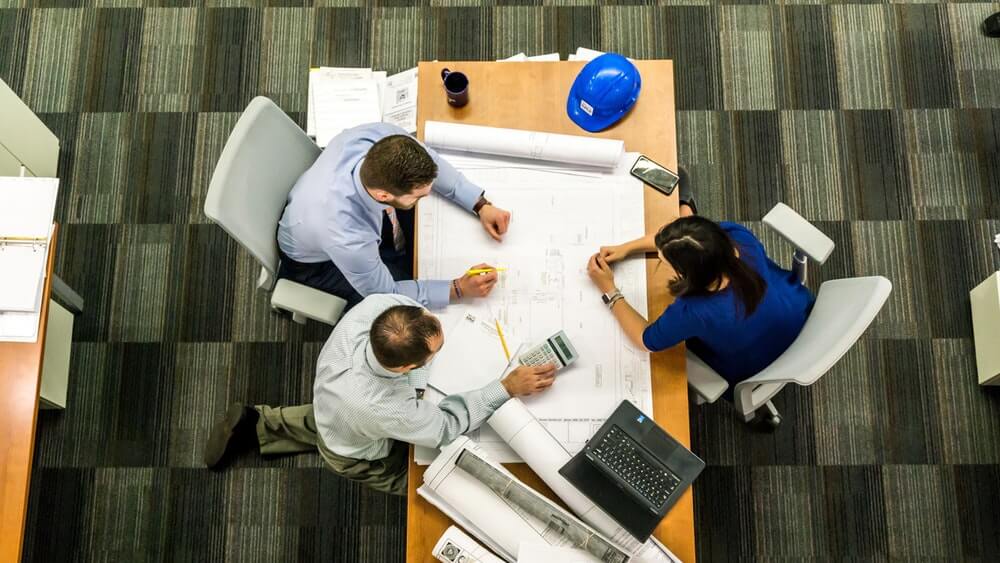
{"x": 405, "y": 336}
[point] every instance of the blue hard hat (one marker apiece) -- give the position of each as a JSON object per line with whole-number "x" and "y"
{"x": 604, "y": 91}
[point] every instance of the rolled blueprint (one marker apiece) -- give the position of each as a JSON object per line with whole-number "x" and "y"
{"x": 493, "y": 519}
{"x": 520, "y": 495}
{"x": 518, "y": 143}
{"x": 455, "y": 546}
{"x": 545, "y": 455}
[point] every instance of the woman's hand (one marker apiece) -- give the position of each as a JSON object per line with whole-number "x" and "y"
{"x": 612, "y": 254}
{"x": 600, "y": 273}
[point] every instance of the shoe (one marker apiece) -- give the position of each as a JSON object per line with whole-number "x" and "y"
{"x": 237, "y": 428}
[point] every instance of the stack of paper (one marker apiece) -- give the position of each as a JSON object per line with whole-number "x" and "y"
{"x": 27, "y": 206}
{"x": 521, "y": 57}
{"x": 341, "y": 98}
{"x": 585, "y": 54}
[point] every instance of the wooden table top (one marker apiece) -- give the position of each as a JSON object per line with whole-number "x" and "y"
{"x": 532, "y": 95}
{"x": 20, "y": 379}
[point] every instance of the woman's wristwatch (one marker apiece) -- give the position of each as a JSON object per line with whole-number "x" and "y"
{"x": 610, "y": 299}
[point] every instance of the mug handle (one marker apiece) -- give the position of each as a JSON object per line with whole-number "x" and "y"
{"x": 444, "y": 73}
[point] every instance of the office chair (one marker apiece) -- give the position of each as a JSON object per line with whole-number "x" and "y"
{"x": 843, "y": 310}
{"x": 263, "y": 157}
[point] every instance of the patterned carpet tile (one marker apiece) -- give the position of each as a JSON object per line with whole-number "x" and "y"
{"x": 879, "y": 121}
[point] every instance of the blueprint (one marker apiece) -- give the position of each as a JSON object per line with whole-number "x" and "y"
{"x": 561, "y": 215}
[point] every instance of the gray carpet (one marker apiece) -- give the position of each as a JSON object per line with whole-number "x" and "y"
{"x": 881, "y": 122}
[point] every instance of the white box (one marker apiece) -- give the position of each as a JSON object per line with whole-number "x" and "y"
{"x": 985, "y": 300}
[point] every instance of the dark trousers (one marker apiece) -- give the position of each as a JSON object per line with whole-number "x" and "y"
{"x": 326, "y": 276}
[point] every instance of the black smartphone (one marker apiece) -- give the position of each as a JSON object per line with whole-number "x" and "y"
{"x": 655, "y": 175}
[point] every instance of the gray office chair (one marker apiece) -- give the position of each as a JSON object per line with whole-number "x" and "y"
{"x": 843, "y": 310}
{"x": 263, "y": 157}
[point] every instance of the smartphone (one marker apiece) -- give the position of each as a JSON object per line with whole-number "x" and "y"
{"x": 655, "y": 175}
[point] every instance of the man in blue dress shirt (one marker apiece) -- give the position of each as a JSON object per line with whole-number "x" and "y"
{"x": 348, "y": 226}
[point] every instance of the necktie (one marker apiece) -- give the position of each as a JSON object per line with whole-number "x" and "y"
{"x": 398, "y": 236}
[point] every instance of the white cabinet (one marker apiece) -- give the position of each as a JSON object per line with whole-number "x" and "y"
{"x": 986, "y": 328}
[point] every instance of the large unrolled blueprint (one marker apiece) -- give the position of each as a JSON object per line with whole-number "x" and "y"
{"x": 545, "y": 455}
{"x": 455, "y": 546}
{"x": 518, "y": 143}
{"x": 496, "y": 517}
{"x": 560, "y": 217}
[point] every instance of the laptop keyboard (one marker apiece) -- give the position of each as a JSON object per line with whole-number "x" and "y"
{"x": 620, "y": 453}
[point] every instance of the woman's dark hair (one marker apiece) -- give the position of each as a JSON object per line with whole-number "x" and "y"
{"x": 702, "y": 254}
{"x": 400, "y": 336}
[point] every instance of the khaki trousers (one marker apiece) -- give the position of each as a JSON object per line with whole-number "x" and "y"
{"x": 286, "y": 430}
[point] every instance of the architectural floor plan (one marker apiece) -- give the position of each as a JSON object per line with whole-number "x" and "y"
{"x": 561, "y": 215}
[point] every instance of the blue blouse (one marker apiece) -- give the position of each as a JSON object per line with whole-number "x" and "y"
{"x": 735, "y": 346}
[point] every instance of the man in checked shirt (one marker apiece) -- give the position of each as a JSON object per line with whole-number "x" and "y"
{"x": 367, "y": 403}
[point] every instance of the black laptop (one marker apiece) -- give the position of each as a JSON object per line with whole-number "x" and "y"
{"x": 633, "y": 470}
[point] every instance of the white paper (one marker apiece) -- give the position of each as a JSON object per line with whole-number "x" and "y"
{"x": 27, "y": 207}
{"x": 520, "y": 57}
{"x": 455, "y": 546}
{"x": 536, "y": 552}
{"x": 20, "y": 326}
{"x": 546, "y": 288}
{"x": 344, "y": 104}
{"x": 399, "y": 102}
{"x": 553, "y": 57}
{"x": 436, "y": 501}
{"x": 518, "y": 143}
{"x": 472, "y": 355}
{"x": 504, "y": 524}
{"x": 585, "y": 54}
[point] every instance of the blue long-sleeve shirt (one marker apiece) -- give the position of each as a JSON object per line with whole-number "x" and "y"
{"x": 737, "y": 347}
{"x": 330, "y": 216}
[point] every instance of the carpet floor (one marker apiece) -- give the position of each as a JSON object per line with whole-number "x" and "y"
{"x": 879, "y": 121}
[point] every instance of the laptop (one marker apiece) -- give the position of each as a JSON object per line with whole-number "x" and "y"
{"x": 633, "y": 470}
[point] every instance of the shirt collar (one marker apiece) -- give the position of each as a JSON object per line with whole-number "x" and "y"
{"x": 366, "y": 199}
{"x": 375, "y": 367}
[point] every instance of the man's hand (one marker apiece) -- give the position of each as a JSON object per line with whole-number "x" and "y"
{"x": 600, "y": 273}
{"x": 495, "y": 221}
{"x": 527, "y": 380}
{"x": 478, "y": 285}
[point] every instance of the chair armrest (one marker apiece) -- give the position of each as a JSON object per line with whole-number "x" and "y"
{"x": 802, "y": 234}
{"x": 308, "y": 302}
{"x": 705, "y": 382}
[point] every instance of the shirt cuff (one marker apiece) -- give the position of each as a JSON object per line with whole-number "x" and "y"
{"x": 495, "y": 394}
{"x": 467, "y": 194}
{"x": 438, "y": 293}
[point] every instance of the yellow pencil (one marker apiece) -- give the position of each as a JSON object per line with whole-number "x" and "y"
{"x": 476, "y": 271}
{"x": 503, "y": 342}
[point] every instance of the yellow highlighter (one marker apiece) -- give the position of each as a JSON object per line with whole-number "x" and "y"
{"x": 477, "y": 271}
{"x": 503, "y": 342}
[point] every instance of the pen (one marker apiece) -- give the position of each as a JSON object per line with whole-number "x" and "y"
{"x": 475, "y": 271}
{"x": 503, "y": 342}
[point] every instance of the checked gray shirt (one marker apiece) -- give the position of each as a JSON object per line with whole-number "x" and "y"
{"x": 361, "y": 407}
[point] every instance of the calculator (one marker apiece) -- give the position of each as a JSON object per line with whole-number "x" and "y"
{"x": 556, "y": 349}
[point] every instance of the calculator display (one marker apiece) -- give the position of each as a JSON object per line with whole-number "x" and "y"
{"x": 562, "y": 348}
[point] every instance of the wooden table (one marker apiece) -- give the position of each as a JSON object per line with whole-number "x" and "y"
{"x": 20, "y": 378}
{"x": 532, "y": 95}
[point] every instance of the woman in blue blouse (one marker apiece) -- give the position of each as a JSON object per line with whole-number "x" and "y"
{"x": 736, "y": 309}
